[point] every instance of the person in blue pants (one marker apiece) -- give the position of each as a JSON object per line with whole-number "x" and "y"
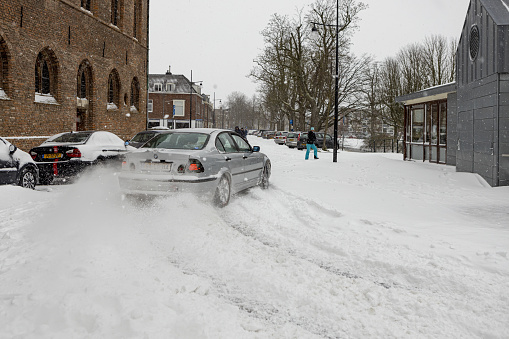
{"x": 310, "y": 144}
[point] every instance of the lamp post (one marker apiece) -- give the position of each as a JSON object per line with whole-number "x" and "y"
{"x": 336, "y": 81}
{"x": 191, "y": 83}
{"x": 214, "y": 112}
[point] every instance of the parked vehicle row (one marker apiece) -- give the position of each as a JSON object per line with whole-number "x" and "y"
{"x": 297, "y": 139}
{"x": 211, "y": 162}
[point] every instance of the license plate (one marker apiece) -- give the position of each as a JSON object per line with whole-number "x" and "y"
{"x": 52, "y": 156}
{"x": 156, "y": 166}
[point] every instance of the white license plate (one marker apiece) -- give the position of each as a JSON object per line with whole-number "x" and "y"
{"x": 156, "y": 166}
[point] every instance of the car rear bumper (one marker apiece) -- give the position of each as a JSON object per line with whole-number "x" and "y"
{"x": 62, "y": 168}
{"x": 146, "y": 184}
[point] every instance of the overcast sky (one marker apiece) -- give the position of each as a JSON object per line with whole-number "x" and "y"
{"x": 218, "y": 39}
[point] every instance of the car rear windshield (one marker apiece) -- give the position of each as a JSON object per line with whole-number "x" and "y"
{"x": 191, "y": 141}
{"x": 79, "y": 137}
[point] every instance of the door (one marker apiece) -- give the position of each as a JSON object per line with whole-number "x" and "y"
{"x": 233, "y": 159}
{"x": 253, "y": 163}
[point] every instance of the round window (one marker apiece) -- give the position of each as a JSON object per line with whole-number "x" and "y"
{"x": 474, "y": 42}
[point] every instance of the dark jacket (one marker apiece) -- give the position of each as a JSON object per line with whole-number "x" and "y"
{"x": 311, "y": 137}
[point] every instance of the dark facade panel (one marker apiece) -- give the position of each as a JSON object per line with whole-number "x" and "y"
{"x": 452, "y": 133}
{"x": 485, "y": 171}
{"x": 503, "y": 129}
{"x": 487, "y": 124}
{"x": 503, "y": 52}
{"x": 485, "y": 113}
{"x": 464, "y": 165}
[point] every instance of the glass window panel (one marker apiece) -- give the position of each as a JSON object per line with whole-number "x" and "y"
{"x": 434, "y": 124}
{"x": 227, "y": 141}
{"x": 443, "y": 123}
{"x": 417, "y": 125}
{"x": 241, "y": 143}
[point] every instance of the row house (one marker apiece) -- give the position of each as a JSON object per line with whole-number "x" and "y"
{"x": 176, "y": 102}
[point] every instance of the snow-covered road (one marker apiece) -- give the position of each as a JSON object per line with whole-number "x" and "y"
{"x": 368, "y": 247}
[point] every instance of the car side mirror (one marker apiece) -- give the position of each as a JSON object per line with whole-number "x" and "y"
{"x": 12, "y": 149}
{"x": 256, "y": 148}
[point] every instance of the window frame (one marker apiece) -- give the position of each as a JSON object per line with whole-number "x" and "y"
{"x": 113, "y": 87}
{"x": 134, "y": 99}
{"x": 183, "y": 102}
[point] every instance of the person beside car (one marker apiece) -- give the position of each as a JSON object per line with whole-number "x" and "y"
{"x": 310, "y": 144}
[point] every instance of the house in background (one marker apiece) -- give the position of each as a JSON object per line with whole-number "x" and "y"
{"x": 466, "y": 123}
{"x": 70, "y": 65}
{"x": 176, "y": 102}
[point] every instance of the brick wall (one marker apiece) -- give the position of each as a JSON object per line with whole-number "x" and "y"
{"x": 72, "y": 36}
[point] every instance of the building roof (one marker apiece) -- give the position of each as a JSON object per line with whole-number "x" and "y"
{"x": 180, "y": 82}
{"x": 429, "y": 94}
{"x": 498, "y": 10}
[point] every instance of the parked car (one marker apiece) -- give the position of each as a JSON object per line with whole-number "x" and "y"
{"x": 68, "y": 154}
{"x": 280, "y": 137}
{"x": 292, "y": 138}
{"x": 142, "y": 137}
{"x": 213, "y": 162}
{"x": 16, "y": 166}
{"x": 301, "y": 144}
{"x": 268, "y": 134}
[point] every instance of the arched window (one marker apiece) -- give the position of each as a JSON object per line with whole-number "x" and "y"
{"x": 137, "y": 19}
{"x": 113, "y": 90}
{"x": 85, "y": 4}
{"x": 4, "y": 69}
{"x": 135, "y": 94}
{"x": 46, "y": 73}
{"x": 84, "y": 81}
{"x": 116, "y": 12}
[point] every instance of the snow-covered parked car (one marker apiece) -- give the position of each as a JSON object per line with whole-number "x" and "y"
{"x": 16, "y": 166}
{"x": 213, "y": 162}
{"x": 67, "y": 154}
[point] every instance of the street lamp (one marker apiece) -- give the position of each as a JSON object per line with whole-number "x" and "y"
{"x": 214, "y": 113}
{"x": 336, "y": 81}
{"x": 191, "y": 98}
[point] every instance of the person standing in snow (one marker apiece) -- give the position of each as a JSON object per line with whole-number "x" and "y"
{"x": 310, "y": 143}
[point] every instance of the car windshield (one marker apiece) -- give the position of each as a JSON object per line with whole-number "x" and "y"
{"x": 143, "y": 137}
{"x": 79, "y": 137}
{"x": 191, "y": 141}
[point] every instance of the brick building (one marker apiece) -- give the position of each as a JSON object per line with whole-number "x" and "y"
{"x": 72, "y": 65}
{"x": 170, "y": 99}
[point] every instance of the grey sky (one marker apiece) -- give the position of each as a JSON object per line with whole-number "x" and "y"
{"x": 218, "y": 39}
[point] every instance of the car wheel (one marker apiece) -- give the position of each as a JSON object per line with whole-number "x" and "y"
{"x": 264, "y": 180}
{"x": 223, "y": 192}
{"x": 27, "y": 178}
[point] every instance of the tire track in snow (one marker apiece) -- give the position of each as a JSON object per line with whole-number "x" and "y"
{"x": 249, "y": 231}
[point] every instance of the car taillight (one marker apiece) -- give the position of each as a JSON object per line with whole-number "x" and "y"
{"x": 73, "y": 153}
{"x": 298, "y": 137}
{"x": 195, "y": 166}
{"x": 33, "y": 154}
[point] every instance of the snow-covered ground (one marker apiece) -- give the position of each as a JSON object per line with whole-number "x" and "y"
{"x": 368, "y": 247}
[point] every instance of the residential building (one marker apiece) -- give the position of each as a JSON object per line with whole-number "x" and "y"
{"x": 71, "y": 65}
{"x": 176, "y": 102}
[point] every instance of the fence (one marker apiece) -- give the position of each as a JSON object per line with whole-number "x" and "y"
{"x": 383, "y": 146}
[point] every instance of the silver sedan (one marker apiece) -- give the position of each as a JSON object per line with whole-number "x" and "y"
{"x": 212, "y": 162}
